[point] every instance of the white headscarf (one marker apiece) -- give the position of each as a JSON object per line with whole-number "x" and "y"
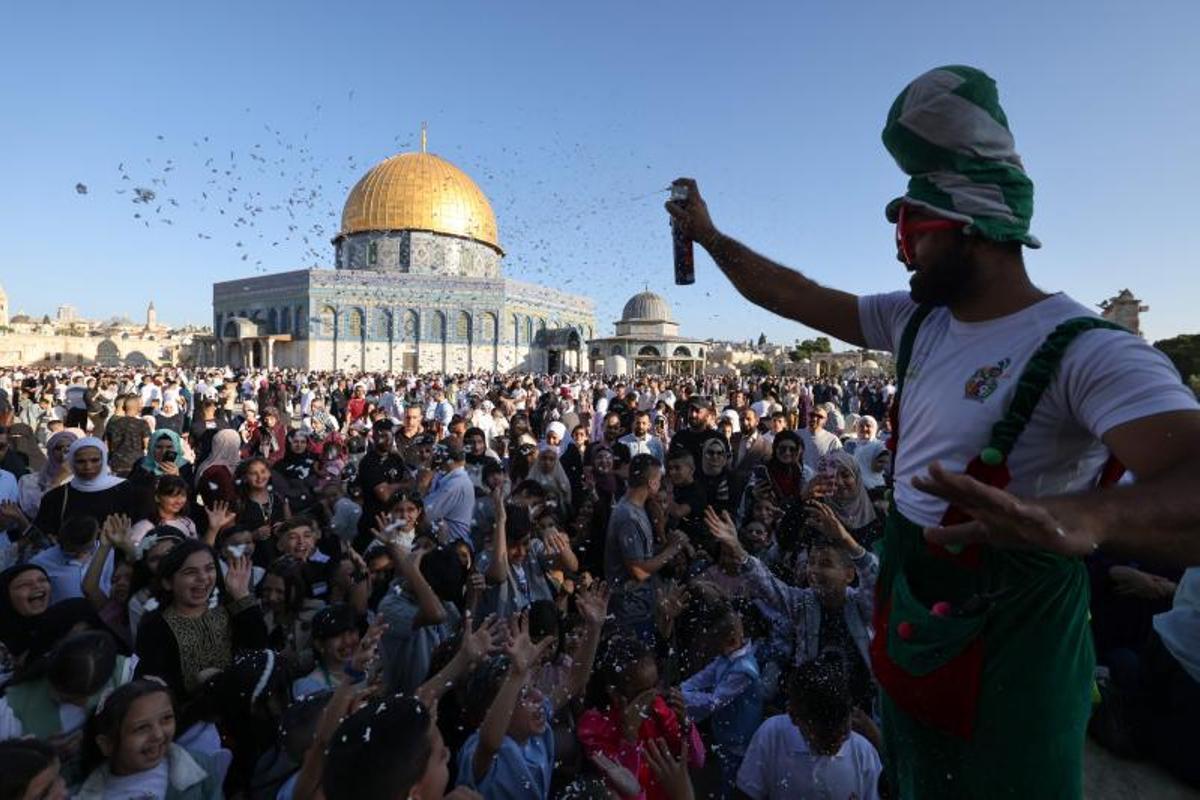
{"x": 561, "y": 430}
{"x": 865, "y": 454}
{"x": 105, "y": 480}
{"x": 226, "y": 451}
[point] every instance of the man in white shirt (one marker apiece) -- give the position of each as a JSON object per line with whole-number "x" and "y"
{"x": 641, "y": 440}
{"x": 1027, "y": 511}
{"x": 439, "y": 408}
{"x": 818, "y": 442}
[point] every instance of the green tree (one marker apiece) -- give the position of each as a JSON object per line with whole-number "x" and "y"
{"x": 761, "y": 366}
{"x": 808, "y": 347}
{"x": 1184, "y": 352}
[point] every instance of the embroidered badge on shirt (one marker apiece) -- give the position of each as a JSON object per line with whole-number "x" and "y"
{"x": 983, "y": 383}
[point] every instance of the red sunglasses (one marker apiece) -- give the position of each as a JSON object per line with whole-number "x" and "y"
{"x": 905, "y": 230}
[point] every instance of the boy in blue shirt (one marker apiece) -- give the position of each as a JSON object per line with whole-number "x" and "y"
{"x": 729, "y": 691}
{"x": 511, "y": 755}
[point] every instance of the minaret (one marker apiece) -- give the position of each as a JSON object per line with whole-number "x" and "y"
{"x": 3, "y": 307}
{"x": 151, "y": 317}
{"x": 1124, "y": 309}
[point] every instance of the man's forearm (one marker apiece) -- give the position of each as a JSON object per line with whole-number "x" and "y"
{"x": 785, "y": 291}
{"x": 1157, "y": 521}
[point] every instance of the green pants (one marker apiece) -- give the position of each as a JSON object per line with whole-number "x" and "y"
{"x": 1027, "y": 727}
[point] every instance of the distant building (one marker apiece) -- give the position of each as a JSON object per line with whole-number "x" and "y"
{"x": 1125, "y": 310}
{"x": 647, "y": 340}
{"x": 69, "y": 339}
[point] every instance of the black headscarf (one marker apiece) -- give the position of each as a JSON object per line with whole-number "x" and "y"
{"x": 16, "y": 631}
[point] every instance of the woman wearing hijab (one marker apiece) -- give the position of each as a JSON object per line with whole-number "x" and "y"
{"x": 550, "y": 475}
{"x": 872, "y": 458}
{"x": 164, "y": 456}
{"x": 55, "y": 472}
{"x": 714, "y": 474}
{"x": 573, "y": 460}
{"x": 270, "y": 442}
{"x": 298, "y": 472}
{"x": 93, "y": 490}
{"x": 169, "y": 417}
{"x": 785, "y": 470}
{"x": 556, "y": 435}
{"x": 214, "y": 476}
{"x": 866, "y": 431}
{"x": 844, "y": 492}
{"x": 24, "y": 598}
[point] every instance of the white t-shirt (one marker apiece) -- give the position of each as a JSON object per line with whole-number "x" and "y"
{"x": 779, "y": 766}
{"x": 70, "y": 718}
{"x": 962, "y": 376}
{"x": 148, "y": 785}
{"x": 1179, "y": 628}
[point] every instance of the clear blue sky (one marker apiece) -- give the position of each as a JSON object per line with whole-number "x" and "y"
{"x": 569, "y": 115}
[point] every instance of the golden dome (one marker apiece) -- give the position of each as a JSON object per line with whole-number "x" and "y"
{"x": 419, "y": 191}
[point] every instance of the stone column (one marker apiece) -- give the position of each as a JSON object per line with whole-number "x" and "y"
{"x": 270, "y": 353}
{"x": 247, "y": 353}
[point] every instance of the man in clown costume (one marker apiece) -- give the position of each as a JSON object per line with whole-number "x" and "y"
{"x": 1014, "y": 407}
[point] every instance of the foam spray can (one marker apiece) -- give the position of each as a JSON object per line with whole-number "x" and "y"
{"x": 685, "y": 261}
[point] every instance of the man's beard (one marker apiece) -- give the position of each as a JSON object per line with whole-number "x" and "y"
{"x": 944, "y": 280}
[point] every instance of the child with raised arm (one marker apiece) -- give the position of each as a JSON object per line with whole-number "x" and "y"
{"x": 831, "y": 612}
{"x": 511, "y": 755}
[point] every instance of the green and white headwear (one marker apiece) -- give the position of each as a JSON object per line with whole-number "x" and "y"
{"x": 948, "y": 132}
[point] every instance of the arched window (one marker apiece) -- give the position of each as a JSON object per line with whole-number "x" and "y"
{"x": 354, "y": 323}
{"x": 438, "y": 327}
{"x": 528, "y": 330}
{"x": 298, "y": 321}
{"x": 273, "y": 321}
{"x": 412, "y": 326}
{"x": 372, "y": 253}
{"x": 383, "y": 325}
{"x": 682, "y": 352}
{"x": 462, "y": 327}
{"x": 285, "y": 320}
{"x": 488, "y": 332}
{"x": 231, "y": 329}
{"x": 649, "y": 351}
{"x": 617, "y": 350}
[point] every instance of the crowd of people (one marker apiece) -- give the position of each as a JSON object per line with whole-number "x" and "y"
{"x": 523, "y": 586}
{"x": 276, "y": 584}
{"x": 293, "y": 584}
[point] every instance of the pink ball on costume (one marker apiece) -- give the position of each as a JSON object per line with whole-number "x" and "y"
{"x": 906, "y": 630}
{"x": 942, "y": 609}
